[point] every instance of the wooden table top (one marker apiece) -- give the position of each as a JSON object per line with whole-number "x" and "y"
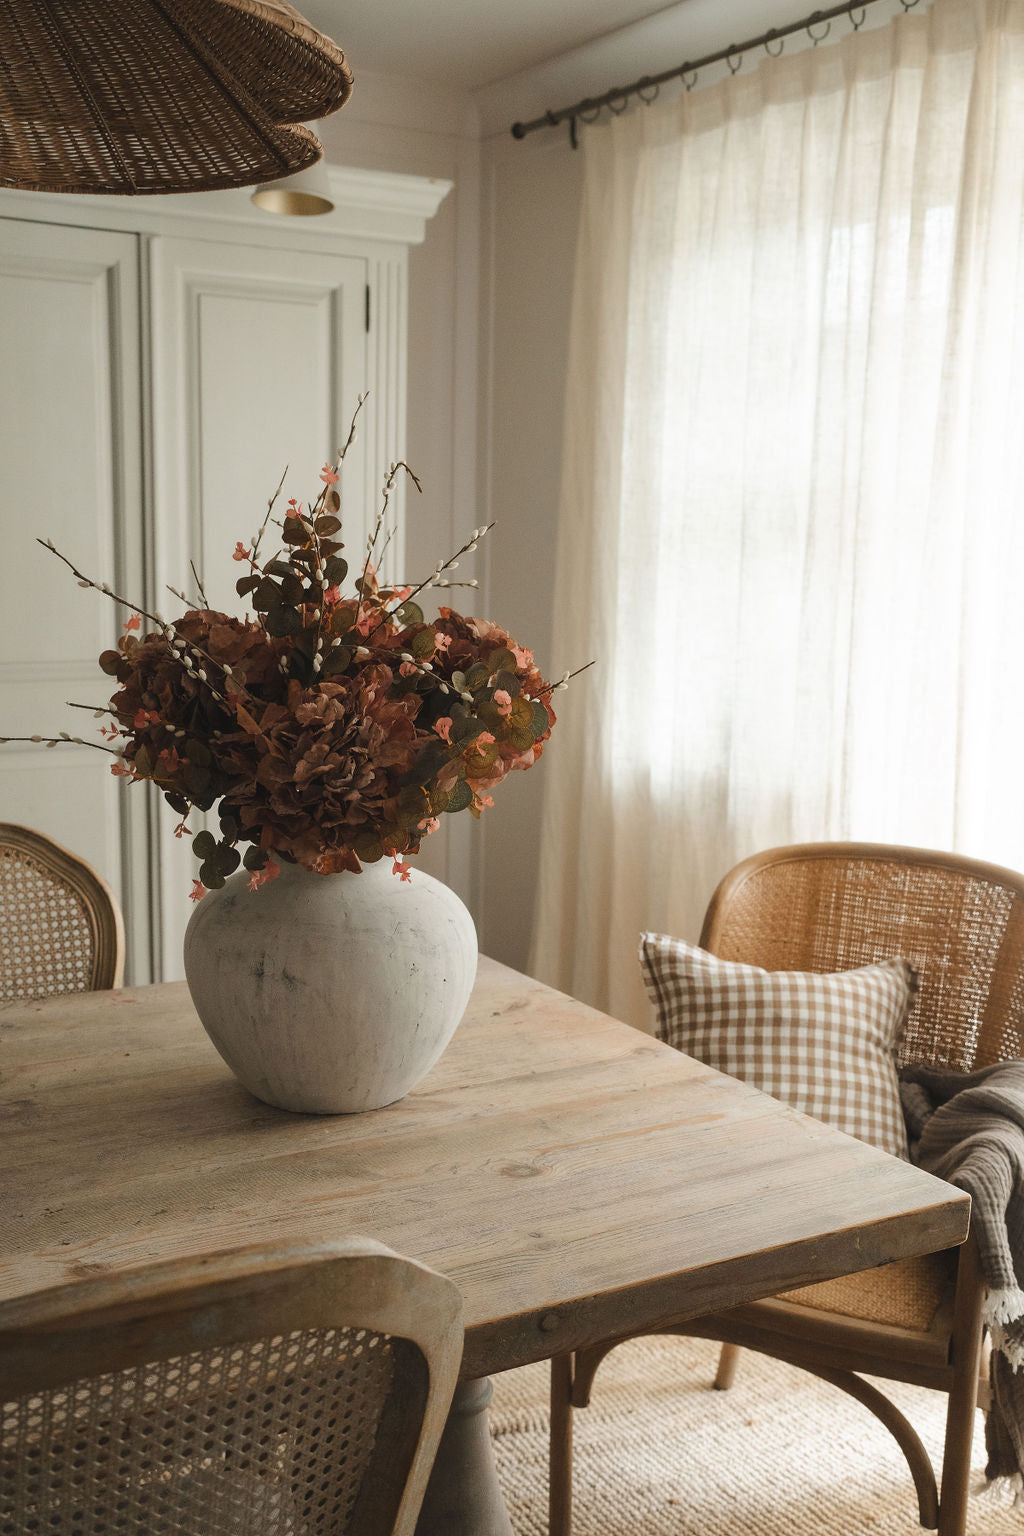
{"x": 575, "y": 1177}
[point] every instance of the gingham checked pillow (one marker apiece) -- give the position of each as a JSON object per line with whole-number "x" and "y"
{"x": 821, "y": 1043}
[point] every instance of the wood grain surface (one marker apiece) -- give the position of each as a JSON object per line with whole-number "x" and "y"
{"x": 573, "y": 1176}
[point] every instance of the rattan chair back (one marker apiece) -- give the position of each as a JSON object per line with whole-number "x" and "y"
{"x": 60, "y": 924}
{"x": 300, "y": 1392}
{"x": 833, "y": 906}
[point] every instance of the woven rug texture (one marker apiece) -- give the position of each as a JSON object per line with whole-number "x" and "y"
{"x": 658, "y": 1453}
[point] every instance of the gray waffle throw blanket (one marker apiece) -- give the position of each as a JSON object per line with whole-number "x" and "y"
{"x": 968, "y": 1128}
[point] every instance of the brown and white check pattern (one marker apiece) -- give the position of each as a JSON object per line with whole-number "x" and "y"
{"x": 821, "y": 1043}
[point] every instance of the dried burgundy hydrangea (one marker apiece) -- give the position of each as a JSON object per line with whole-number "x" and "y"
{"x": 326, "y": 730}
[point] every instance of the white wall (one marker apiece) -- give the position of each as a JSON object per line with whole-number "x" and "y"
{"x": 530, "y": 209}
{"x": 394, "y": 125}
{"x": 488, "y": 325}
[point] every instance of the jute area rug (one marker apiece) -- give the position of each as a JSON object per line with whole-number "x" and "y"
{"x": 780, "y": 1454}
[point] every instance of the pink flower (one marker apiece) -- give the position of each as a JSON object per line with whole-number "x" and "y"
{"x": 485, "y": 800}
{"x": 408, "y": 669}
{"x": 132, "y": 622}
{"x": 270, "y": 871}
{"x": 328, "y": 476}
{"x": 503, "y": 702}
{"x": 241, "y": 553}
{"x": 144, "y": 717}
{"x": 121, "y": 770}
{"x": 198, "y": 891}
{"x": 430, "y": 825}
{"x": 402, "y": 868}
{"x": 485, "y": 739}
{"x": 441, "y": 640}
{"x": 443, "y": 727}
{"x": 109, "y": 731}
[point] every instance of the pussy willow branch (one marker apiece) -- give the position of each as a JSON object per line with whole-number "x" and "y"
{"x": 564, "y": 680}
{"x": 63, "y": 739}
{"x": 433, "y": 580}
{"x": 371, "y": 543}
{"x": 167, "y": 630}
{"x": 199, "y": 584}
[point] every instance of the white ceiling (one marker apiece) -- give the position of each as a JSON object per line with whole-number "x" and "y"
{"x": 464, "y": 45}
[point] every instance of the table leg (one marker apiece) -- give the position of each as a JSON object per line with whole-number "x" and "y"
{"x": 463, "y": 1496}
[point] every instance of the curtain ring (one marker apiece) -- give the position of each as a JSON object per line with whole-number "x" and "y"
{"x": 770, "y": 38}
{"x": 908, "y": 5}
{"x": 647, "y": 89}
{"x": 819, "y": 37}
{"x": 734, "y": 68}
{"x": 689, "y": 81}
{"x": 622, "y": 97}
{"x": 592, "y": 114}
{"x": 856, "y": 25}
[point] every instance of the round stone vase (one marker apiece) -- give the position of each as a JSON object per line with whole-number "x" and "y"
{"x": 331, "y": 994}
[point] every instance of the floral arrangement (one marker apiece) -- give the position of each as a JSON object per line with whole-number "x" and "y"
{"x": 328, "y": 730}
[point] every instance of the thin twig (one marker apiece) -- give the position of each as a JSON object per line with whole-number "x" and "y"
{"x": 564, "y": 680}
{"x": 199, "y": 584}
{"x": 63, "y": 740}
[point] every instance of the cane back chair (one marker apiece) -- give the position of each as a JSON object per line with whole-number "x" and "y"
{"x": 832, "y": 907}
{"x": 60, "y": 924}
{"x": 292, "y": 1392}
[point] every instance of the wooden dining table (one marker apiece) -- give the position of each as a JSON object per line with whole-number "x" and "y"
{"x": 575, "y": 1177}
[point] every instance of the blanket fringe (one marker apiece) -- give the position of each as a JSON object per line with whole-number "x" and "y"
{"x": 1009, "y": 1346}
{"x": 993, "y": 1488}
{"x": 1005, "y": 1305}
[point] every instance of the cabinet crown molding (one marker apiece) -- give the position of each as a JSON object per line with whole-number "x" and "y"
{"x": 368, "y": 205}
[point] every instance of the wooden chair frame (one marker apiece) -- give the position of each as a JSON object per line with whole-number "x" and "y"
{"x": 106, "y": 925}
{"x": 949, "y": 1356}
{"x": 138, "y": 1317}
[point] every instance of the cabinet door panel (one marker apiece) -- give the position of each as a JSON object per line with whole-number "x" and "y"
{"x": 70, "y": 447}
{"x": 259, "y": 357}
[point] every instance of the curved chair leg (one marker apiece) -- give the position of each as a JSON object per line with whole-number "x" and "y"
{"x": 727, "y": 1363}
{"x": 968, "y": 1333}
{"x": 902, "y": 1431}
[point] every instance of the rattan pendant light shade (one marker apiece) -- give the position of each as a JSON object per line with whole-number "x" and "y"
{"x": 150, "y": 96}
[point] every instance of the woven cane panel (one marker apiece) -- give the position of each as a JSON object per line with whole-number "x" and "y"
{"x": 963, "y": 935}
{"x": 47, "y": 941}
{"x": 906, "y": 1294}
{"x": 273, "y": 1436}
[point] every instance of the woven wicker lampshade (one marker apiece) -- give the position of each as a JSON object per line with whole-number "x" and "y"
{"x": 153, "y": 96}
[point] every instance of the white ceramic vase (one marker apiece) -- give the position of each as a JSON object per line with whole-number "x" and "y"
{"x": 331, "y": 994}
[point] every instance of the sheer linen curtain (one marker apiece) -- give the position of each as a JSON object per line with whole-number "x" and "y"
{"x": 792, "y": 520}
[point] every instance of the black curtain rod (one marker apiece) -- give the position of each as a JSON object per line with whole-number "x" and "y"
{"x": 647, "y": 87}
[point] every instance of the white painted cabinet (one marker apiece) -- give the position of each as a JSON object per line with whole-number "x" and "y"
{"x": 158, "y": 375}
{"x": 72, "y": 460}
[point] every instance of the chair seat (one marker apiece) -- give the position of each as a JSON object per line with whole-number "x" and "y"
{"x": 915, "y": 1294}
